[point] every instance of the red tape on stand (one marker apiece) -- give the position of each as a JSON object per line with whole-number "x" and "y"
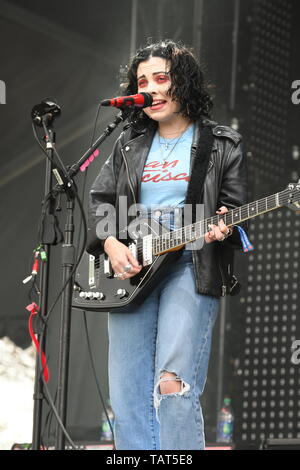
{"x": 33, "y": 309}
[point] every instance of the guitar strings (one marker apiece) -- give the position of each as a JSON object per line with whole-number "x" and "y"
{"x": 179, "y": 235}
{"x": 191, "y": 232}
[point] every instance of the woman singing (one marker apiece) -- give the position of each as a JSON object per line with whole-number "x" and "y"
{"x": 170, "y": 155}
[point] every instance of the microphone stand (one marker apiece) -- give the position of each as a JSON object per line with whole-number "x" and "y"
{"x": 65, "y": 185}
{"x": 43, "y": 300}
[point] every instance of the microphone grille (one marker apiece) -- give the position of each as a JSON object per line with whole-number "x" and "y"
{"x": 148, "y": 99}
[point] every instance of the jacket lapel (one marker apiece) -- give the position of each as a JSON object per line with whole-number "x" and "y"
{"x": 136, "y": 151}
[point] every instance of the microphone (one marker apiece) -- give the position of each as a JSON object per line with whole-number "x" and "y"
{"x": 47, "y": 109}
{"x": 141, "y": 100}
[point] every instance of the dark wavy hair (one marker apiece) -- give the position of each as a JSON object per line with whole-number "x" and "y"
{"x": 187, "y": 81}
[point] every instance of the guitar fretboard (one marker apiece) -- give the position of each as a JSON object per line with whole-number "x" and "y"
{"x": 193, "y": 232}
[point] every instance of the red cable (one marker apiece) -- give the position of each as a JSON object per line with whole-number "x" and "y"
{"x": 33, "y": 309}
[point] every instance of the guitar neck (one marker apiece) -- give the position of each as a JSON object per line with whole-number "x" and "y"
{"x": 193, "y": 232}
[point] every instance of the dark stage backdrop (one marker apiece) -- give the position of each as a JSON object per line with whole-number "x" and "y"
{"x": 72, "y": 51}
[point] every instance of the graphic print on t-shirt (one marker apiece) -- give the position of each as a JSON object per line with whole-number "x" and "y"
{"x": 165, "y": 183}
{"x": 163, "y": 171}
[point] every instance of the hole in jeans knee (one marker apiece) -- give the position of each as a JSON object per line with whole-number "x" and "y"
{"x": 169, "y": 383}
{"x": 170, "y": 377}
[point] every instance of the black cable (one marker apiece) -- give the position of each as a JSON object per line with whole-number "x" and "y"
{"x": 95, "y": 376}
{"x": 48, "y": 420}
{"x": 40, "y": 145}
{"x": 95, "y": 125}
{"x": 54, "y": 410}
{"x": 61, "y": 163}
{"x": 50, "y": 400}
{"x": 84, "y": 313}
{"x": 46, "y": 320}
{"x": 47, "y": 316}
{"x": 80, "y": 222}
{"x": 77, "y": 262}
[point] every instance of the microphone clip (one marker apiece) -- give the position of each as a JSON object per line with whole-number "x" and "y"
{"x": 46, "y": 112}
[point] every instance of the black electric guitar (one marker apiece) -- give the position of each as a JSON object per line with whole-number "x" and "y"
{"x": 95, "y": 286}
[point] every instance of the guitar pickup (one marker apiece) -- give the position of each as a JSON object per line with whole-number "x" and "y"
{"x": 133, "y": 249}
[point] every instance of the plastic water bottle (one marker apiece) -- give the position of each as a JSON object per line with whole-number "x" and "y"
{"x": 106, "y": 434}
{"x": 225, "y": 422}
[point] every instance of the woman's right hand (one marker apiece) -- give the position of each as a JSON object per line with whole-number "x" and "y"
{"x": 123, "y": 262}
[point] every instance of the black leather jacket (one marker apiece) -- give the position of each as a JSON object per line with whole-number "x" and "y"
{"x": 225, "y": 185}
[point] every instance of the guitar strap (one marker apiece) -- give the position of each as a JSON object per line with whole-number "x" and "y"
{"x": 195, "y": 188}
{"x": 230, "y": 284}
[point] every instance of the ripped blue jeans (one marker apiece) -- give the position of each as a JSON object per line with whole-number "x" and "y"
{"x": 169, "y": 332}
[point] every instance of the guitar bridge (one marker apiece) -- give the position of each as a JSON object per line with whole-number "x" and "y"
{"x": 147, "y": 250}
{"x": 92, "y": 271}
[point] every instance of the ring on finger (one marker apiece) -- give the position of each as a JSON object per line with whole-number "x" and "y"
{"x": 119, "y": 274}
{"x": 127, "y": 267}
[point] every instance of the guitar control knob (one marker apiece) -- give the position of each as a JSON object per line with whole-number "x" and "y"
{"x": 121, "y": 293}
{"x": 86, "y": 295}
{"x": 98, "y": 296}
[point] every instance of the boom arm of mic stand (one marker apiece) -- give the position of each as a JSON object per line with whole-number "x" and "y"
{"x": 121, "y": 117}
{"x": 65, "y": 185}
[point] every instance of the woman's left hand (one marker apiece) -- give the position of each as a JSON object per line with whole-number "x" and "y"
{"x": 218, "y": 232}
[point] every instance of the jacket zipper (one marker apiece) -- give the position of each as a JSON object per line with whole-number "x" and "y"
{"x": 127, "y": 169}
{"x": 128, "y": 176}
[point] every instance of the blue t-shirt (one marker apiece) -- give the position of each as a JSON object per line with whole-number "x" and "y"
{"x": 165, "y": 184}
